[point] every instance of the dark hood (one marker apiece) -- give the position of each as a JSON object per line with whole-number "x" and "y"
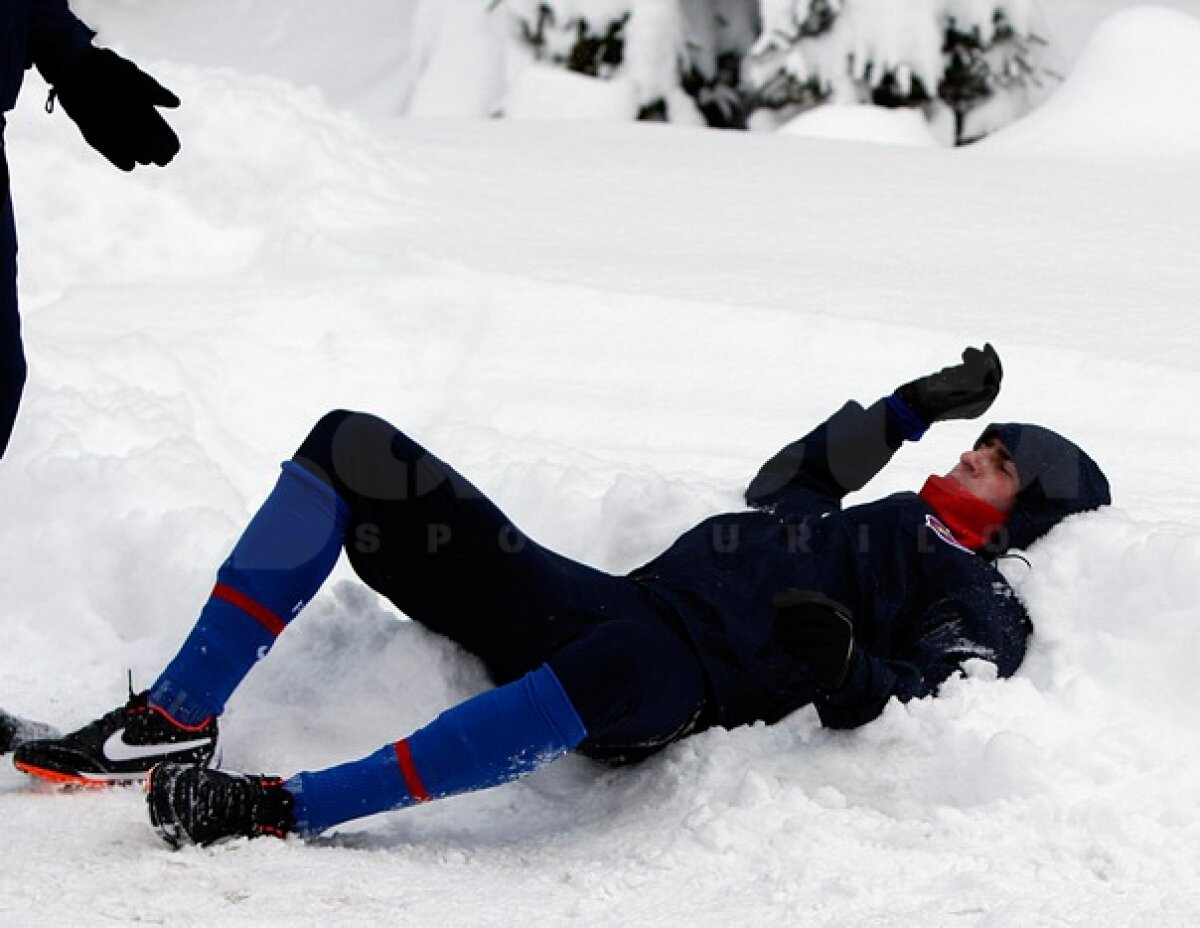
{"x": 1058, "y": 479}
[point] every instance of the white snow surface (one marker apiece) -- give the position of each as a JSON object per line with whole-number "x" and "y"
{"x": 608, "y": 327}
{"x": 862, "y": 123}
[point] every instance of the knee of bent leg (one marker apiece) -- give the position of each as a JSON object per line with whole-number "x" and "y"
{"x": 317, "y": 448}
{"x": 341, "y": 437}
{"x": 359, "y": 454}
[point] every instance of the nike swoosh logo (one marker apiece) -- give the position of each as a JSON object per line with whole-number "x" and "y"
{"x": 116, "y": 749}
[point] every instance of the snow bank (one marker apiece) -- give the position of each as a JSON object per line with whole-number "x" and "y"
{"x": 863, "y": 124}
{"x": 358, "y": 53}
{"x": 1133, "y": 95}
{"x": 454, "y": 63}
{"x": 544, "y": 92}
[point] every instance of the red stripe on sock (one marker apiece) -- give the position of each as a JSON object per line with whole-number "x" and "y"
{"x": 264, "y": 616}
{"x": 170, "y": 718}
{"x": 408, "y": 769}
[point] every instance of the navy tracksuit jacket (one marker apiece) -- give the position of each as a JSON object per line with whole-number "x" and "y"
{"x": 45, "y": 33}
{"x": 922, "y": 604}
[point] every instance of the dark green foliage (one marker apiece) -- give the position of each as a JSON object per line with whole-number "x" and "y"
{"x": 976, "y": 71}
{"x": 821, "y": 15}
{"x": 721, "y": 100}
{"x": 594, "y": 53}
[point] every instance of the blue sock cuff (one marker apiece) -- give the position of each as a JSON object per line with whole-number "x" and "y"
{"x": 292, "y": 543}
{"x": 911, "y": 426}
{"x": 339, "y": 794}
{"x": 548, "y": 695}
{"x": 497, "y": 736}
{"x": 319, "y": 490}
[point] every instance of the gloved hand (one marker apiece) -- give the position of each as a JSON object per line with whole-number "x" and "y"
{"x": 817, "y": 631}
{"x": 963, "y": 391}
{"x": 113, "y": 103}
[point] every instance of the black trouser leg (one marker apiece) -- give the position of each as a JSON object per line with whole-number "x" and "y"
{"x": 12, "y": 354}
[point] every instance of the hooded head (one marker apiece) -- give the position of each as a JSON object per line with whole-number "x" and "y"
{"x": 1057, "y": 479}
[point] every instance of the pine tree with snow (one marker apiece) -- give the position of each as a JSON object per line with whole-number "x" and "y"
{"x": 969, "y": 65}
{"x": 995, "y": 70}
{"x": 979, "y": 62}
{"x": 671, "y": 60}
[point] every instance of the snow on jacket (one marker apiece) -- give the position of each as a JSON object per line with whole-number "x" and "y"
{"x": 922, "y": 603}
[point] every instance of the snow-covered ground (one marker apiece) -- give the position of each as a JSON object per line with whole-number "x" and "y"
{"x": 609, "y": 328}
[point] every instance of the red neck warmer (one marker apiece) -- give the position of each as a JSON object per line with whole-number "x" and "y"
{"x": 971, "y": 520}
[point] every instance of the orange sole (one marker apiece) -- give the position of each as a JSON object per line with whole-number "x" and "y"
{"x": 68, "y": 779}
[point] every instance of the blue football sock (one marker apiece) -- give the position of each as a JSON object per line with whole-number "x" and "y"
{"x": 490, "y": 739}
{"x": 276, "y": 567}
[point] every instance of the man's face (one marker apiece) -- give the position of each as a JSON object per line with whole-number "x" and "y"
{"x": 988, "y": 472}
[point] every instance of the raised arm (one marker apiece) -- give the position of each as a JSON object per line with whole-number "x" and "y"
{"x": 833, "y": 460}
{"x": 843, "y": 453}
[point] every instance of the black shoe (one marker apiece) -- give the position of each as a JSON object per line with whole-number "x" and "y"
{"x": 15, "y": 730}
{"x": 190, "y": 804}
{"x": 121, "y": 747}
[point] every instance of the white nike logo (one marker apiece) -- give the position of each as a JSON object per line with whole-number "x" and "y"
{"x": 116, "y": 748}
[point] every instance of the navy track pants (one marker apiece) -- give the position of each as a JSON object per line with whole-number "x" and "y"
{"x": 12, "y": 355}
{"x": 421, "y": 535}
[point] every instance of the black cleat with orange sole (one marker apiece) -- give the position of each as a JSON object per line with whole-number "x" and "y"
{"x": 119, "y": 747}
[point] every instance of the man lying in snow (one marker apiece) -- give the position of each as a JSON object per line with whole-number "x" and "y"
{"x": 748, "y": 616}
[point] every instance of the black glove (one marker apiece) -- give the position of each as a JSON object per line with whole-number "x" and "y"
{"x": 817, "y": 631}
{"x": 113, "y": 103}
{"x": 963, "y": 391}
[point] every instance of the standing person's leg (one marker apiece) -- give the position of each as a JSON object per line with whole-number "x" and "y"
{"x": 13, "y": 730}
{"x": 12, "y": 354}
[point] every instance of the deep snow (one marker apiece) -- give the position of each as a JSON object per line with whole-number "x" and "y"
{"x": 609, "y": 328}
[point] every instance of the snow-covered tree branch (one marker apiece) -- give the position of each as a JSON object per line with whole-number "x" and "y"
{"x": 969, "y": 65}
